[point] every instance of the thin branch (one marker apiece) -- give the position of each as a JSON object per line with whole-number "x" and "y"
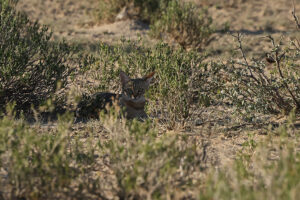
{"x": 296, "y": 45}
{"x": 278, "y": 60}
{"x": 258, "y": 71}
{"x": 294, "y": 15}
{"x": 239, "y": 38}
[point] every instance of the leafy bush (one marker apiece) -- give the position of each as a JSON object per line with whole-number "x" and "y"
{"x": 181, "y": 77}
{"x": 185, "y": 23}
{"x": 266, "y": 169}
{"x": 31, "y": 65}
{"x": 251, "y": 86}
{"x": 34, "y": 160}
{"x": 45, "y": 163}
{"x": 147, "y": 165}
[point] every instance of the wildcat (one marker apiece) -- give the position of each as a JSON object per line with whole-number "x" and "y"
{"x": 131, "y": 99}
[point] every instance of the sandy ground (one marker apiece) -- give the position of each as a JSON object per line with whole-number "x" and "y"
{"x": 74, "y": 21}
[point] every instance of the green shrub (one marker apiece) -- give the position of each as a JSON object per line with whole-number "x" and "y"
{"x": 185, "y": 23}
{"x": 150, "y": 10}
{"x": 132, "y": 160}
{"x": 109, "y": 9}
{"x": 251, "y": 86}
{"x": 147, "y": 10}
{"x": 38, "y": 163}
{"x": 147, "y": 165}
{"x": 181, "y": 80}
{"x": 44, "y": 163}
{"x": 31, "y": 65}
{"x": 266, "y": 169}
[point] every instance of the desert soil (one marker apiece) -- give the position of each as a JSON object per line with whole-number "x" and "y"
{"x": 74, "y": 21}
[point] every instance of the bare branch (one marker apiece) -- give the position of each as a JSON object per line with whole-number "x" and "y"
{"x": 239, "y": 38}
{"x": 278, "y": 60}
{"x": 294, "y": 15}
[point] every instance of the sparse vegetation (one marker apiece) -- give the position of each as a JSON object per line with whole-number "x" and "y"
{"x": 185, "y": 23}
{"x": 166, "y": 156}
{"x": 267, "y": 169}
{"x": 252, "y": 87}
{"x": 143, "y": 164}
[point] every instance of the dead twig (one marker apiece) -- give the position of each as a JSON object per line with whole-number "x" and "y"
{"x": 239, "y": 39}
{"x": 294, "y": 15}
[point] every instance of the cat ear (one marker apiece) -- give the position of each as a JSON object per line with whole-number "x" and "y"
{"x": 124, "y": 78}
{"x": 148, "y": 78}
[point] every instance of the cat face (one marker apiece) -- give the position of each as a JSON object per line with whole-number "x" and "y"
{"x": 135, "y": 88}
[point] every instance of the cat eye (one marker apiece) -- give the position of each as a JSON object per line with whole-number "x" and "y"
{"x": 140, "y": 92}
{"x": 129, "y": 92}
